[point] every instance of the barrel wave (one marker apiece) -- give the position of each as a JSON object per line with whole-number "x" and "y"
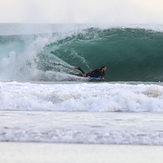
{"x": 130, "y": 54}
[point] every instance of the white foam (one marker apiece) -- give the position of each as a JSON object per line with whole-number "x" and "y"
{"x": 82, "y": 127}
{"x": 103, "y": 97}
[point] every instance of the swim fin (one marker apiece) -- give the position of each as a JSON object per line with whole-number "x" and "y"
{"x": 76, "y": 69}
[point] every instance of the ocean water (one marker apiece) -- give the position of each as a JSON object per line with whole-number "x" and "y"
{"x": 43, "y": 101}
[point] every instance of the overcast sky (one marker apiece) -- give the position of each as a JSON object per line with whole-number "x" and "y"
{"x": 82, "y": 11}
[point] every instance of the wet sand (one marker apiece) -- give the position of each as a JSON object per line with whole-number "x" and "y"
{"x": 78, "y": 153}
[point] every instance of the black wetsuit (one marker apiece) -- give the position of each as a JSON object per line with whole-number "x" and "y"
{"x": 95, "y": 73}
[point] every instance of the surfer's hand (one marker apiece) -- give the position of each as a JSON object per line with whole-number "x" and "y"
{"x": 83, "y": 75}
{"x": 103, "y": 78}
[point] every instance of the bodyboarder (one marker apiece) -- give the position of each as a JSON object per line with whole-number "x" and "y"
{"x": 97, "y": 73}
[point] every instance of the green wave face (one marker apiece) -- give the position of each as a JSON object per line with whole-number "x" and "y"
{"x": 129, "y": 54}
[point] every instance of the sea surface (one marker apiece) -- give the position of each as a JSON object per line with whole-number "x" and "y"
{"x": 41, "y": 100}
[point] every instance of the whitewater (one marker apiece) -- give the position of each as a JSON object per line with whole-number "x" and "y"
{"x": 43, "y": 101}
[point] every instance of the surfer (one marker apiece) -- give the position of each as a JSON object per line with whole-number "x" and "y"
{"x": 97, "y": 73}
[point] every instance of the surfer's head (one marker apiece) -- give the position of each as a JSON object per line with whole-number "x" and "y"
{"x": 103, "y": 68}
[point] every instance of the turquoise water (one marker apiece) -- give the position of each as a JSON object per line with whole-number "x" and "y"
{"x": 130, "y": 54}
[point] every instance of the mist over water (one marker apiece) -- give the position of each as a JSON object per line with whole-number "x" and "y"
{"x": 115, "y": 12}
